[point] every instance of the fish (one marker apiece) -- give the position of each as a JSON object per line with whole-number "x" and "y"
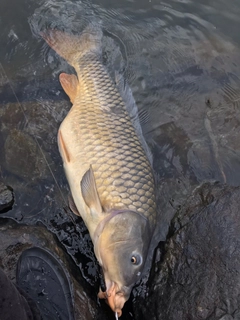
{"x": 107, "y": 163}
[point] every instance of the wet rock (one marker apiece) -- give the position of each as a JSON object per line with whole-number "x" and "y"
{"x": 197, "y": 276}
{"x": 11, "y": 115}
{"x": 15, "y": 238}
{"x": 6, "y": 197}
{"x": 23, "y": 156}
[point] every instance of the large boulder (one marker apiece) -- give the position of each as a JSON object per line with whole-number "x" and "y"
{"x": 197, "y": 276}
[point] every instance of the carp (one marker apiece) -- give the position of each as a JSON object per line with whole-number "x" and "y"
{"x": 107, "y": 163}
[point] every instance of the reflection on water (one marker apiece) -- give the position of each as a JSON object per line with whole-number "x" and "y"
{"x": 181, "y": 60}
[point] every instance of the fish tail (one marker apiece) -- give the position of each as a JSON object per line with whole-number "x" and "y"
{"x": 72, "y": 47}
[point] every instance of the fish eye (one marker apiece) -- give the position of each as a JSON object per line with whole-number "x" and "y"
{"x": 136, "y": 259}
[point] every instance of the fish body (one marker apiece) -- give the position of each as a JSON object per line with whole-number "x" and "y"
{"x": 107, "y": 165}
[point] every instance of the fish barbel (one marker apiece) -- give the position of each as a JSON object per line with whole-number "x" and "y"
{"x": 107, "y": 164}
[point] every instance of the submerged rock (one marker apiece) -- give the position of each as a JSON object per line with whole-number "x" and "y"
{"x": 23, "y": 156}
{"x": 6, "y": 197}
{"x": 197, "y": 276}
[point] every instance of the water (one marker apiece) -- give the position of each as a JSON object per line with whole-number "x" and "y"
{"x": 181, "y": 60}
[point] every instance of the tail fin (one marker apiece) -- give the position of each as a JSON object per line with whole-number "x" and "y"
{"x": 72, "y": 47}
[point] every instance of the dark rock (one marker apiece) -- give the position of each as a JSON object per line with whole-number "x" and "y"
{"x": 197, "y": 276}
{"x": 23, "y": 156}
{"x": 15, "y": 238}
{"x": 6, "y": 197}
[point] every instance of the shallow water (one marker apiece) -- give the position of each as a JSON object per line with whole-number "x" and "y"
{"x": 181, "y": 60}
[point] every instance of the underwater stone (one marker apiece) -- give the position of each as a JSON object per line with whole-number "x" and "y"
{"x": 6, "y": 197}
{"x": 23, "y": 156}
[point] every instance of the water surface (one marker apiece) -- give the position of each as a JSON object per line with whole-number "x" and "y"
{"x": 181, "y": 60}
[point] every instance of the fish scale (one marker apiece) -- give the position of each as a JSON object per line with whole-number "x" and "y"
{"x": 106, "y": 139}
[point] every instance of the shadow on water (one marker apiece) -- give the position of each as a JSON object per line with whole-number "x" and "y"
{"x": 182, "y": 63}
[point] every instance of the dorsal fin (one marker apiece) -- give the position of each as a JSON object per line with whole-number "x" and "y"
{"x": 144, "y": 119}
{"x": 140, "y": 120}
{"x": 70, "y": 85}
{"x": 89, "y": 192}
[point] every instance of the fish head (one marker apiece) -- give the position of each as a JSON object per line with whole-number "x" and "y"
{"x": 122, "y": 249}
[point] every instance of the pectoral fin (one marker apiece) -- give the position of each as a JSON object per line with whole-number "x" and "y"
{"x": 72, "y": 205}
{"x": 89, "y": 192}
{"x": 63, "y": 148}
{"x": 70, "y": 84}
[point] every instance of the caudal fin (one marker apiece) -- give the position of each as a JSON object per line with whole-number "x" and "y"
{"x": 72, "y": 47}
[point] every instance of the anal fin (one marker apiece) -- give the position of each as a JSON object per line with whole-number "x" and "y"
{"x": 70, "y": 85}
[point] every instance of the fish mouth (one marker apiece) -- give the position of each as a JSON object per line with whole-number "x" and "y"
{"x": 115, "y": 298}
